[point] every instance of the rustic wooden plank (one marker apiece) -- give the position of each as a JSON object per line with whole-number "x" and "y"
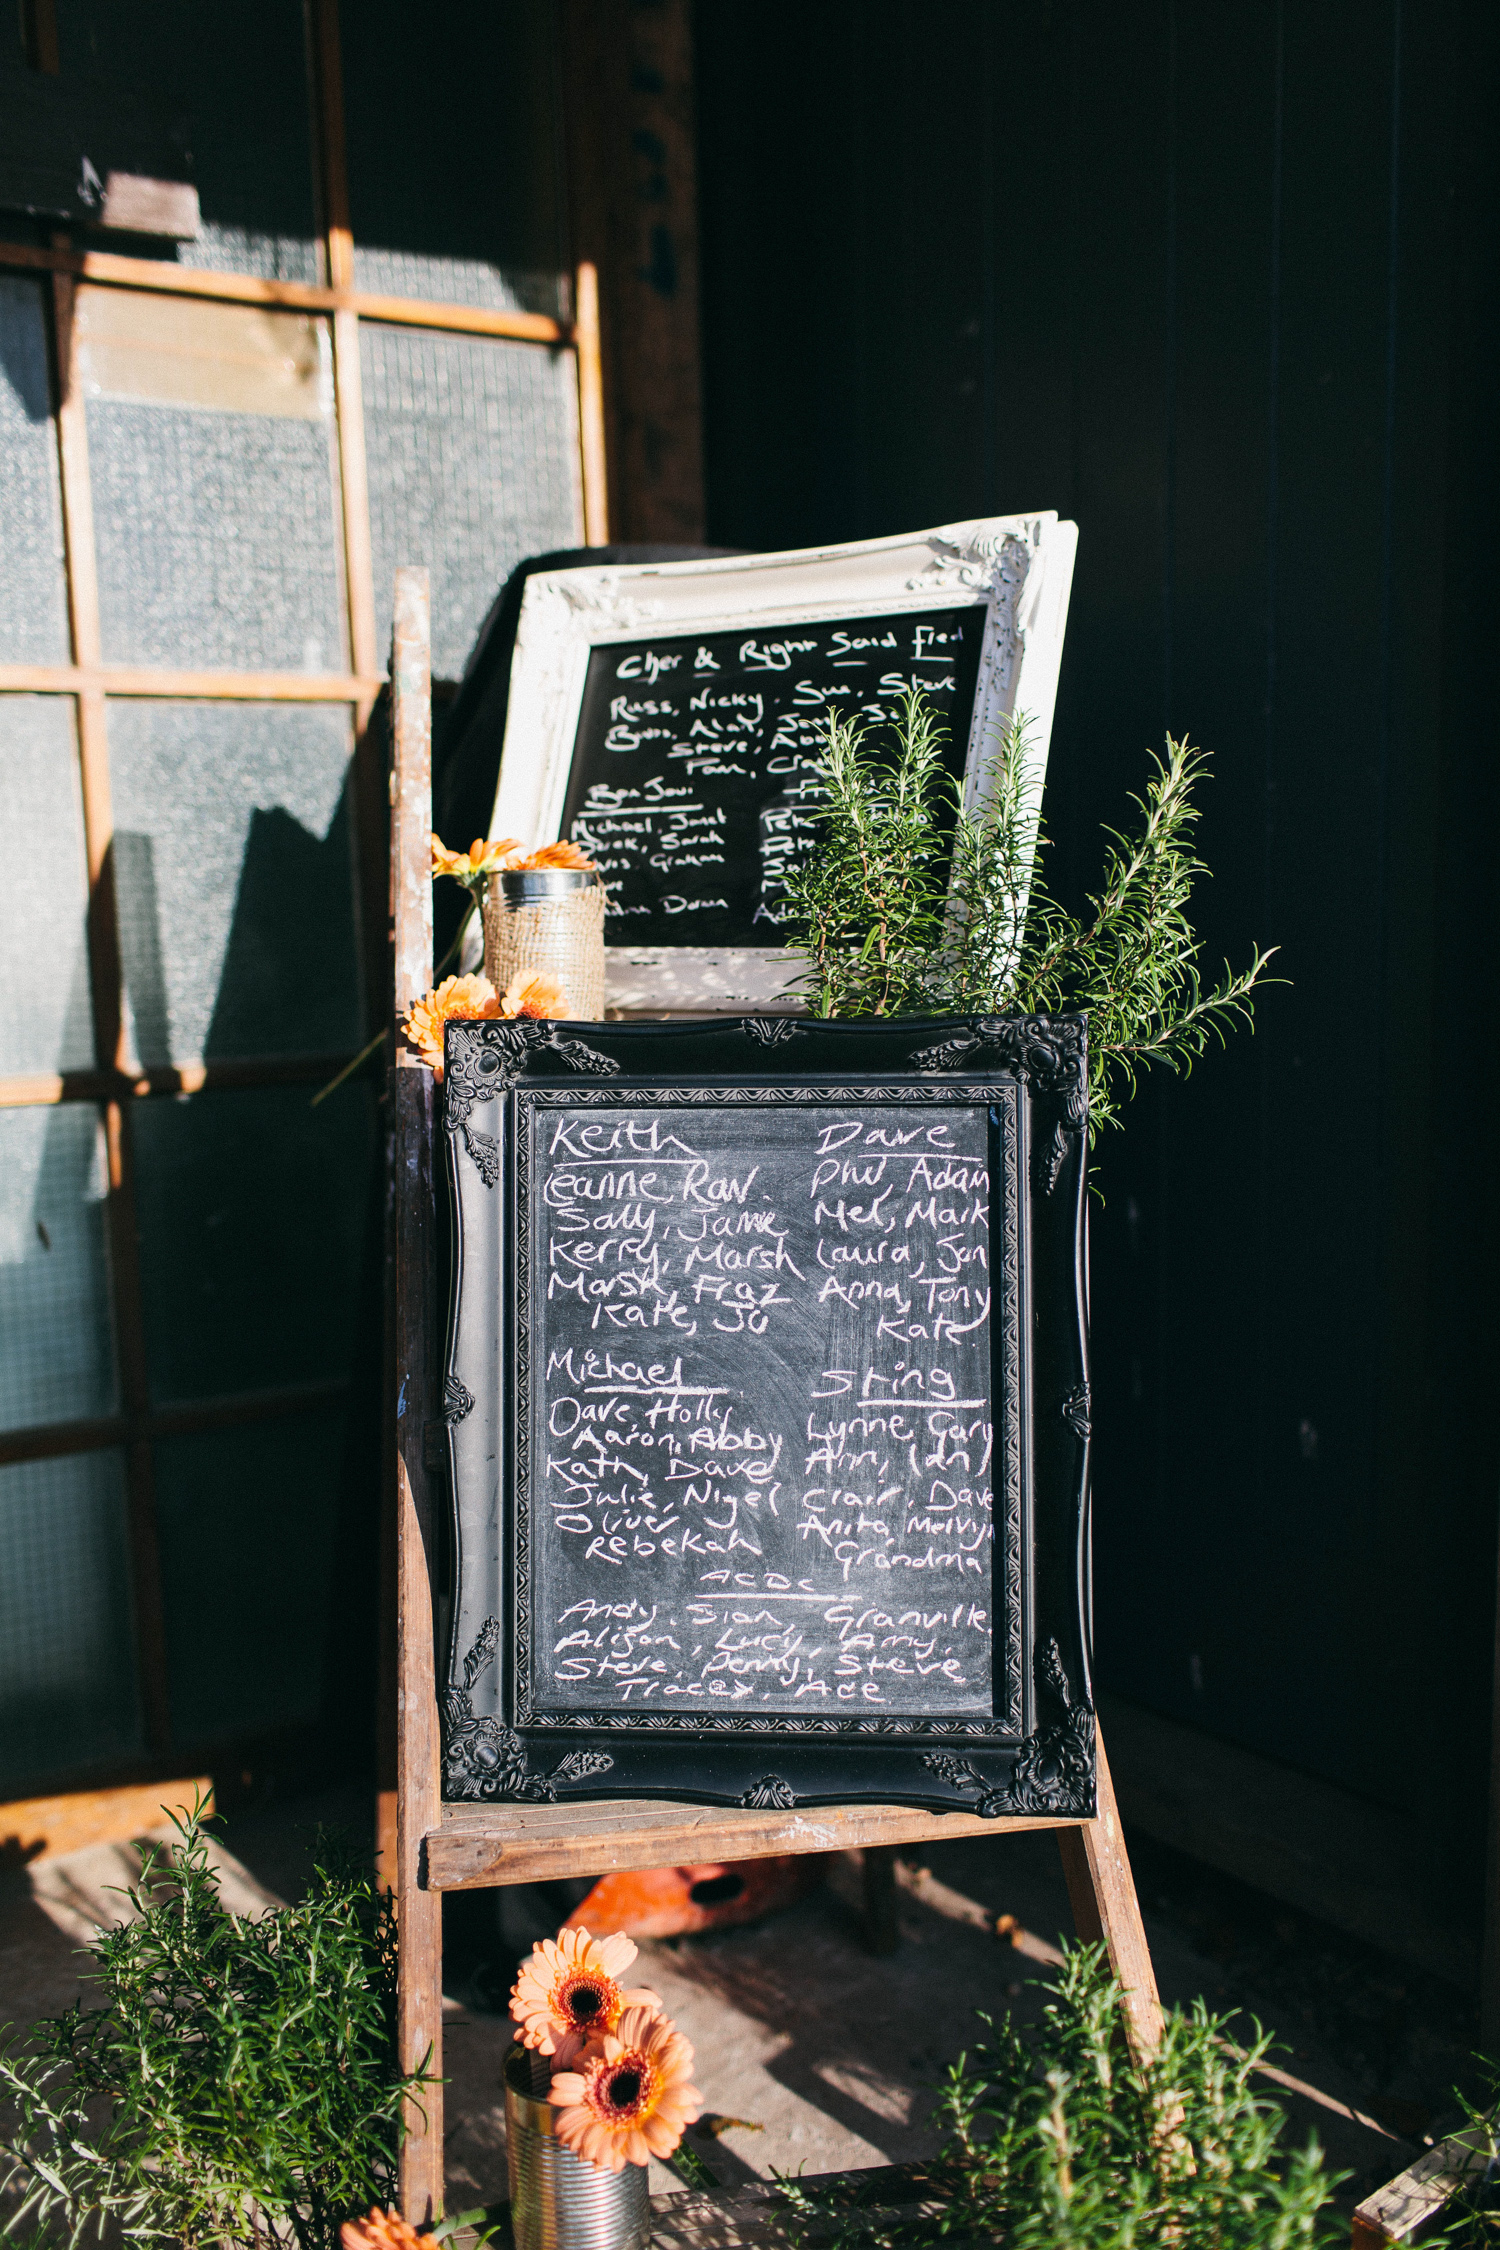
{"x": 333, "y": 170}
{"x": 34, "y": 1829}
{"x": 295, "y": 296}
{"x": 419, "y": 1910}
{"x": 1101, "y": 1891}
{"x": 40, "y": 1089}
{"x": 591, "y": 407}
{"x": 1318, "y": 1847}
{"x": 477, "y": 1846}
{"x": 1418, "y": 2196}
{"x": 46, "y": 1440}
{"x": 109, "y": 1023}
{"x": 145, "y": 679}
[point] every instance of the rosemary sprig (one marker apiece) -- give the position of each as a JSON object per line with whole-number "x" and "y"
{"x": 913, "y": 903}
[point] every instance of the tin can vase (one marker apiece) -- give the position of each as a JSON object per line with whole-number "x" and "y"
{"x": 548, "y": 921}
{"x": 557, "y": 2201}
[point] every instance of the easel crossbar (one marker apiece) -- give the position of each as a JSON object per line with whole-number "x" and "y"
{"x": 478, "y": 1846}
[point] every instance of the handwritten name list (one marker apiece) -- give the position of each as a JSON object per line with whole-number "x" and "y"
{"x": 762, "y": 1430}
{"x": 693, "y": 758}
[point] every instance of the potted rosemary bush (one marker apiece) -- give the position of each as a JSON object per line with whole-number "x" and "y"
{"x": 238, "y": 2081}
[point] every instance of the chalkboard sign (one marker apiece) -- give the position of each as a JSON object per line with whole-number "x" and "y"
{"x": 693, "y": 758}
{"x": 768, "y": 1412}
{"x": 668, "y": 717}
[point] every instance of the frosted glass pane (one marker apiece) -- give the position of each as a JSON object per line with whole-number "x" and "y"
{"x": 255, "y": 1212}
{"x": 246, "y": 1521}
{"x": 455, "y": 169}
{"x": 33, "y": 589}
{"x": 212, "y": 461}
{"x": 67, "y": 1671}
{"x": 234, "y": 873}
{"x": 472, "y": 446}
{"x": 458, "y": 281}
{"x": 56, "y": 1355}
{"x": 45, "y": 1021}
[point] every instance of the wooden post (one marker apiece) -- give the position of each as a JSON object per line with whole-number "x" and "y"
{"x": 1101, "y": 1892}
{"x": 419, "y": 1803}
{"x": 591, "y": 405}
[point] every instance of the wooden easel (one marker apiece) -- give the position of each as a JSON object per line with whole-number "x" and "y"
{"x": 475, "y": 1847}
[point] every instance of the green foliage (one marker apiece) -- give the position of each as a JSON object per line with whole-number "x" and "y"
{"x": 910, "y": 905}
{"x": 240, "y": 2079}
{"x": 1057, "y": 2139}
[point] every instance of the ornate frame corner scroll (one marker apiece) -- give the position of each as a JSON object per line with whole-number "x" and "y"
{"x": 1035, "y": 1754}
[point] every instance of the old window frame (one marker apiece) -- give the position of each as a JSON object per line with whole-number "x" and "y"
{"x": 117, "y": 1083}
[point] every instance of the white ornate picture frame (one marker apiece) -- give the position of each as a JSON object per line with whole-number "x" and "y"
{"x": 1019, "y": 568}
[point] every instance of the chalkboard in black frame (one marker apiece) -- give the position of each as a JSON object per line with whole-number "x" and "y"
{"x": 767, "y": 1412}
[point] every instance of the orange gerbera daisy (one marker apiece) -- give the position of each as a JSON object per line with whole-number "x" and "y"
{"x": 528, "y": 994}
{"x": 630, "y": 2095}
{"x": 457, "y": 1000}
{"x": 561, "y": 854}
{"x": 571, "y": 1984}
{"x": 383, "y": 2230}
{"x": 474, "y": 867}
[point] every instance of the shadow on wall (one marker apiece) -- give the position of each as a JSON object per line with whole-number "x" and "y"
{"x": 259, "y": 1244}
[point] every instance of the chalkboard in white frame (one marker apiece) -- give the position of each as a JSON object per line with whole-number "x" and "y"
{"x": 681, "y": 630}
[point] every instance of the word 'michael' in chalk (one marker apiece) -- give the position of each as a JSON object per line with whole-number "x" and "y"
{"x": 693, "y": 758}
{"x": 762, "y": 1424}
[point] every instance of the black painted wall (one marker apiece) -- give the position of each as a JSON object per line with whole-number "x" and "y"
{"x": 1220, "y": 283}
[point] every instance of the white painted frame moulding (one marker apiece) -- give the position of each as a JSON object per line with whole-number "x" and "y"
{"x": 1020, "y": 568}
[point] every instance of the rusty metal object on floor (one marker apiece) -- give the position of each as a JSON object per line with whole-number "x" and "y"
{"x": 717, "y": 1895}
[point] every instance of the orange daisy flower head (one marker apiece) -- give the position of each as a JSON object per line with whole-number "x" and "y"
{"x": 474, "y": 867}
{"x": 456, "y": 1000}
{"x": 533, "y": 995}
{"x": 571, "y": 1983}
{"x": 382, "y": 2230}
{"x": 561, "y": 854}
{"x": 629, "y": 2095}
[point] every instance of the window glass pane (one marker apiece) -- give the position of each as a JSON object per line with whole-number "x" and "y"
{"x": 67, "y": 1668}
{"x": 454, "y": 169}
{"x": 33, "y": 593}
{"x": 473, "y": 461}
{"x": 45, "y": 1023}
{"x": 224, "y": 85}
{"x": 214, "y": 469}
{"x": 254, "y": 1214}
{"x": 246, "y": 1521}
{"x": 234, "y": 873}
{"x": 56, "y": 1355}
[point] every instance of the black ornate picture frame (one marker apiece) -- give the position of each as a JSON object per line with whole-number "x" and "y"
{"x": 999, "y": 1718}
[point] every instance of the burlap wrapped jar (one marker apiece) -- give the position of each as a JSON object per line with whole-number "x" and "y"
{"x": 548, "y": 921}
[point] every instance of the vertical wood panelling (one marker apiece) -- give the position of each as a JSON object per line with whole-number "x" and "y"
{"x": 627, "y": 70}
{"x": 1219, "y": 287}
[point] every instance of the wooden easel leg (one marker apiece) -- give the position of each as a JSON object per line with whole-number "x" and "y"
{"x": 419, "y": 1912}
{"x": 1101, "y": 1891}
